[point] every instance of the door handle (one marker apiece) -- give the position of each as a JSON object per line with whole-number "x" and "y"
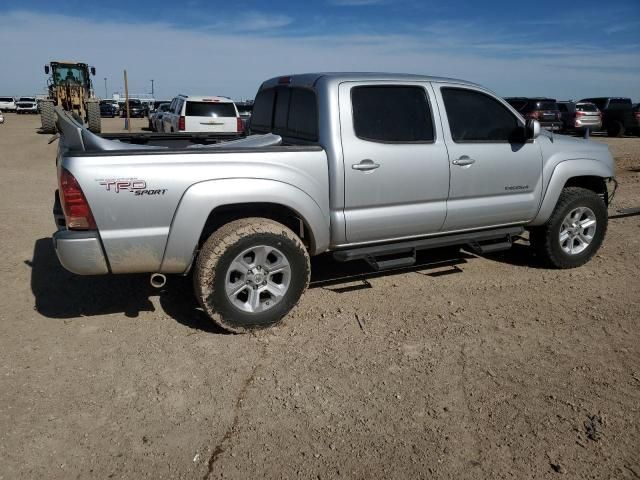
{"x": 463, "y": 161}
{"x": 365, "y": 165}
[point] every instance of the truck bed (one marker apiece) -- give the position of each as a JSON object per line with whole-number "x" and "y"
{"x": 172, "y": 140}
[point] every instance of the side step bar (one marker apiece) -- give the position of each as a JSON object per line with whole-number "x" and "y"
{"x": 404, "y": 253}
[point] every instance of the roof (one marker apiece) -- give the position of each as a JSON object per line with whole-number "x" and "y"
{"x": 203, "y": 98}
{"x": 310, "y": 79}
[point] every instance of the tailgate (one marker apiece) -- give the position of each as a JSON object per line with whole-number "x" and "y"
{"x": 211, "y": 124}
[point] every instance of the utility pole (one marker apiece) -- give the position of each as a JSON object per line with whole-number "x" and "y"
{"x": 126, "y": 102}
{"x": 152, "y": 87}
{"x": 105, "y": 88}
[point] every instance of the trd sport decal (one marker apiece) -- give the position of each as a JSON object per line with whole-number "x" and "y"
{"x": 132, "y": 185}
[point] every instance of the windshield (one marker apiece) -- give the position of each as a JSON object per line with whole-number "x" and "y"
{"x": 69, "y": 74}
{"x": 6, "y": 99}
{"x": 27, "y": 99}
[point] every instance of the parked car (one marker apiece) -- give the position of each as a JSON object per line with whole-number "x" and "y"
{"x": 1, "y": 117}
{"x": 155, "y": 119}
{"x": 136, "y": 109}
{"x": 545, "y": 110}
{"x": 337, "y": 164}
{"x": 577, "y": 117}
{"x": 27, "y": 105}
{"x": 108, "y": 109}
{"x": 245, "y": 109}
{"x": 189, "y": 113}
{"x": 618, "y": 116}
{"x": 7, "y": 104}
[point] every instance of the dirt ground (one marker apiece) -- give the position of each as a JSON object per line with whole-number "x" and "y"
{"x": 470, "y": 368}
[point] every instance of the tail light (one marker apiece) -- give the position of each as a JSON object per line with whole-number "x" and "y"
{"x": 535, "y": 114}
{"x": 638, "y": 116}
{"x": 240, "y": 125}
{"x": 76, "y": 208}
{"x": 580, "y": 114}
{"x": 181, "y": 124}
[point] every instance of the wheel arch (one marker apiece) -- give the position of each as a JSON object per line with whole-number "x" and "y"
{"x": 585, "y": 173}
{"x": 208, "y": 205}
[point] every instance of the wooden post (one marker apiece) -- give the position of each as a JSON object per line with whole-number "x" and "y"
{"x": 126, "y": 103}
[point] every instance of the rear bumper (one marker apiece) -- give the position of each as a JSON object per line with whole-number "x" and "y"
{"x": 590, "y": 124}
{"x": 80, "y": 252}
{"x": 553, "y": 126}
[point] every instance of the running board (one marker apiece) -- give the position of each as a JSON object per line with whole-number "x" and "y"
{"x": 404, "y": 253}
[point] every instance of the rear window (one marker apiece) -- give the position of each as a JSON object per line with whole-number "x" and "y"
{"x": 517, "y": 104}
{"x": 619, "y": 103}
{"x": 599, "y": 102}
{"x": 210, "y": 109}
{"x": 547, "y": 106}
{"x": 287, "y": 111}
{"x": 586, "y": 107}
{"x": 6, "y": 99}
{"x": 392, "y": 114}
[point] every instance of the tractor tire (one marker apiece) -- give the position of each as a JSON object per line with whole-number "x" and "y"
{"x": 93, "y": 117}
{"x": 47, "y": 117}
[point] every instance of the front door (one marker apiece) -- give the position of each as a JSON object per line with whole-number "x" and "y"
{"x": 496, "y": 176}
{"x": 395, "y": 161}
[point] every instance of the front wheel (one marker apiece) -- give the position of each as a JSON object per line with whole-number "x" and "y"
{"x": 250, "y": 273}
{"x": 574, "y": 232}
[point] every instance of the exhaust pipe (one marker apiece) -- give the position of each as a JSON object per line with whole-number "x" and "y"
{"x": 158, "y": 280}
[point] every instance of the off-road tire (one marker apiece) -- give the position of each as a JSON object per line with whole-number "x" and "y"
{"x": 47, "y": 117}
{"x": 214, "y": 260}
{"x": 545, "y": 239}
{"x": 93, "y": 117}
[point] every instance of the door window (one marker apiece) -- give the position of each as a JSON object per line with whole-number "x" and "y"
{"x": 392, "y": 114}
{"x": 477, "y": 117}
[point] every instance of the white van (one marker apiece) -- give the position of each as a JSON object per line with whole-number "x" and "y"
{"x": 189, "y": 113}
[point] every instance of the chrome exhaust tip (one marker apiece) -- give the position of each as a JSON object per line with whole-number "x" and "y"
{"x": 158, "y": 280}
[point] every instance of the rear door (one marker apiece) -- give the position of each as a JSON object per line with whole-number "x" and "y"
{"x": 395, "y": 161}
{"x": 210, "y": 116}
{"x": 496, "y": 178}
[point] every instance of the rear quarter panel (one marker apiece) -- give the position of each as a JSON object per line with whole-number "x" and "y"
{"x": 134, "y": 198}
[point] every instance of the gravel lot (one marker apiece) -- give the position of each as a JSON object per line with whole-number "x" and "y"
{"x": 470, "y": 368}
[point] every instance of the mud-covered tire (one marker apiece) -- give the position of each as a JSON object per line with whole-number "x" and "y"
{"x": 47, "y": 117}
{"x": 546, "y": 240}
{"x": 93, "y": 117}
{"x": 213, "y": 273}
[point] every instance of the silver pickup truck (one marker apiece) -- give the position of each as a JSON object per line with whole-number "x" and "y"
{"x": 370, "y": 167}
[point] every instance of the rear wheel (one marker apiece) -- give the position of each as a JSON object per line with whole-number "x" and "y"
{"x": 250, "y": 273}
{"x": 93, "y": 117}
{"x": 47, "y": 117}
{"x": 616, "y": 129}
{"x": 574, "y": 232}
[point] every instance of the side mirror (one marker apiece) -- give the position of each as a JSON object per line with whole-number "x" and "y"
{"x": 533, "y": 129}
{"x": 46, "y": 69}
{"x": 93, "y": 71}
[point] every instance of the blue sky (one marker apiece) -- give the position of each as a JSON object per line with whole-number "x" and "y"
{"x": 566, "y": 49}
